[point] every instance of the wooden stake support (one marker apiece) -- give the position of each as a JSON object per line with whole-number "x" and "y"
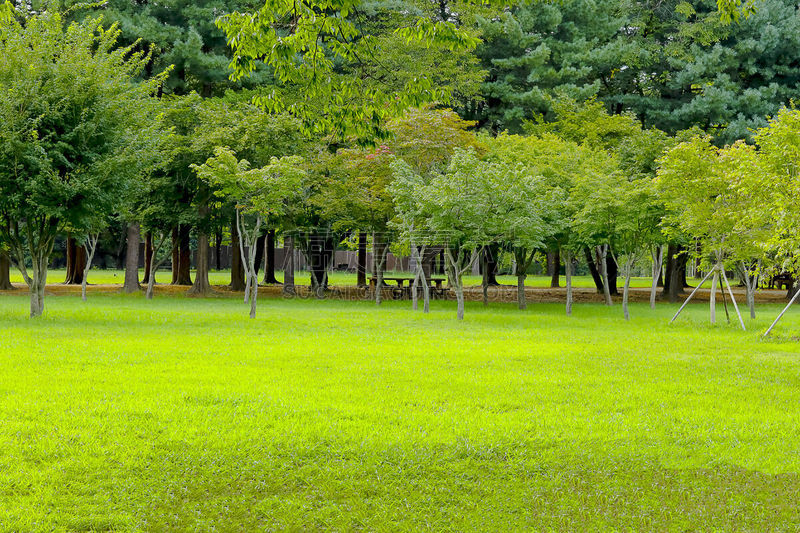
{"x": 692, "y": 294}
{"x": 725, "y": 302}
{"x": 730, "y": 291}
{"x": 782, "y": 312}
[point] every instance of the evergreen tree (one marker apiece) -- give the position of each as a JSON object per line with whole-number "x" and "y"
{"x": 182, "y": 33}
{"x": 674, "y": 65}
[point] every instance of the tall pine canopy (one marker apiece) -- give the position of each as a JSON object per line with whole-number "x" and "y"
{"x": 674, "y": 64}
{"x": 183, "y": 34}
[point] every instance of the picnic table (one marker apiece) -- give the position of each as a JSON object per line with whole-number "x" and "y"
{"x": 403, "y": 285}
{"x": 782, "y": 279}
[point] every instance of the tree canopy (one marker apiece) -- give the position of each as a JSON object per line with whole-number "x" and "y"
{"x": 75, "y": 129}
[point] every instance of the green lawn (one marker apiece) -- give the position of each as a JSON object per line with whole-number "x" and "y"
{"x": 105, "y": 277}
{"x": 183, "y": 415}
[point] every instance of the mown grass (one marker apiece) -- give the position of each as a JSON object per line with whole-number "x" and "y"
{"x": 223, "y": 277}
{"x": 182, "y": 414}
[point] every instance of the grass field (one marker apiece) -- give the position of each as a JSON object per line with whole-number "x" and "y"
{"x": 183, "y": 415}
{"x": 110, "y": 277}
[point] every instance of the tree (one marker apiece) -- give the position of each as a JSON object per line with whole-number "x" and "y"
{"x": 597, "y": 211}
{"x": 635, "y": 149}
{"x": 158, "y": 218}
{"x": 534, "y": 202}
{"x": 254, "y": 135}
{"x": 94, "y": 226}
{"x": 779, "y": 145}
{"x": 637, "y": 232}
{"x": 530, "y": 217}
{"x": 534, "y": 51}
{"x": 461, "y": 208}
{"x": 330, "y": 61}
{"x": 426, "y": 139}
{"x": 5, "y": 271}
{"x": 258, "y": 193}
{"x": 707, "y": 190}
{"x": 355, "y": 197}
{"x": 561, "y": 163}
{"x": 182, "y": 34}
{"x": 70, "y": 114}
{"x": 673, "y": 65}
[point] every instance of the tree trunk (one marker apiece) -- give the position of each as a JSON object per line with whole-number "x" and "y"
{"x": 90, "y": 248}
{"x": 76, "y": 260}
{"x": 151, "y": 281}
{"x": 750, "y": 284}
{"x": 417, "y": 275}
{"x": 184, "y": 256}
{"x": 151, "y": 277}
{"x": 148, "y": 256}
{"x": 521, "y": 303}
{"x": 132, "y": 260}
{"x": 155, "y": 263}
{"x": 568, "y": 273}
{"x": 713, "y": 298}
{"x": 261, "y": 244}
{"x": 612, "y": 270}
{"x": 243, "y": 243}
{"x": 425, "y": 271}
{"x": 420, "y": 279}
{"x": 71, "y": 252}
{"x": 676, "y": 273}
{"x": 253, "y": 295}
{"x": 602, "y": 256}
{"x": 318, "y": 254}
{"x": 658, "y": 259}
{"x": 626, "y": 288}
{"x": 670, "y": 266}
{"x": 253, "y": 272}
{"x": 38, "y": 284}
{"x": 40, "y": 255}
{"x": 522, "y": 260}
{"x": 590, "y": 262}
{"x": 379, "y": 258}
{"x": 554, "y": 267}
{"x": 201, "y": 286}
{"x": 218, "y": 251}
{"x": 792, "y": 288}
{"x": 269, "y": 269}
{"x": 491, "y": 253}
{"x": 455, "y": 270}
{"x": 288, "y": 265}
{"x": 237, "y": 263}
{"x": 176, "y": 256}
{"x": 5, "y": 272}
{"x": 426, "y": 294}
{"x": 459, "y": 289}
{"x": 485, "y": 276}
{"x": 361, "y": 269}
{"x": 683, "y": 263}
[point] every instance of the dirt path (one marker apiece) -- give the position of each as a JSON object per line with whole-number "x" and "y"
{"x": 503, "y": 293}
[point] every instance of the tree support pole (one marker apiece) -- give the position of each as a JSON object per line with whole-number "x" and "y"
{"x": 690, "y": 296}
{"x": 794, "y": 298}
{"x": 725, "y": 301}
{"x": 736, "y": 307}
